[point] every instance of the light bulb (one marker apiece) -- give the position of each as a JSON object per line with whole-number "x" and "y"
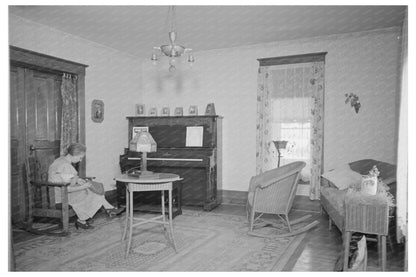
{"x": 154, "y": 59}
{"x": 191, "y": 58}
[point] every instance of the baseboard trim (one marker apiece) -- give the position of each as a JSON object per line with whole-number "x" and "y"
{"x": 230, "y": 197}
{"x": 233, "y": 197}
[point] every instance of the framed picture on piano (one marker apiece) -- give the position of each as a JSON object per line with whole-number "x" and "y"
{"x": 165, "y": 111}
{"x": 178, "y": 111}
{"x": 153, "y": 111}
{"x": 140, "y": 109}
{"x": 193, "y": 110}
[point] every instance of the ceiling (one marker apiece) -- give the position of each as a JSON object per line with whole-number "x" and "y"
{"x": 136, "y": 29}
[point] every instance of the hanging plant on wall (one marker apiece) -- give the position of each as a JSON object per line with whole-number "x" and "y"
{"x": 354, "y": 100}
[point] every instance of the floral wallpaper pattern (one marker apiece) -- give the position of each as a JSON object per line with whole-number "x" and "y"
{"x": 69, "y": 127}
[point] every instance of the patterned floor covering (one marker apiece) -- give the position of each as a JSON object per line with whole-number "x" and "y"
{"x": 205, "y": 242}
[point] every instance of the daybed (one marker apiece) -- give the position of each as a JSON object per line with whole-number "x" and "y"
{"x": 332, "y": 198}
{"x": 361, "y": 217}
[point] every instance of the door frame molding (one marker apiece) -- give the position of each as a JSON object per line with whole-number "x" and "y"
{"x": 25, "y": 58}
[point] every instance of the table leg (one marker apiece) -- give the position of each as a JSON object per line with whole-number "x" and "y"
{"x": 383, "y": 253}
{"x": 163, "y": 209}
{"x": 127, "y": 215}
{"x": 130, "y": 222}
{"x": 347, "y": 239}
{"x": 170, "y": 220}
{"x": 380, "y": 258}
{"x": 179, "y": 188}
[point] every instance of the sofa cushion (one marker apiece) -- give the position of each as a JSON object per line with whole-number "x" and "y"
{"x": 343, "y": 177}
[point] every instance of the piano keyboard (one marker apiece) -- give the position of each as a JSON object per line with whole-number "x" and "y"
{"x": 168, "y": 159}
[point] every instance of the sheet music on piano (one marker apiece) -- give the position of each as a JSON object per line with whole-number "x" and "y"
{"x": 194, "y": 135}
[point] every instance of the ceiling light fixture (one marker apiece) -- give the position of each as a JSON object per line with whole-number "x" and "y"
{"x": 172, "y": 50}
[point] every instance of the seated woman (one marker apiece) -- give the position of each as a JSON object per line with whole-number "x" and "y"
{"x": 84, "y": 201}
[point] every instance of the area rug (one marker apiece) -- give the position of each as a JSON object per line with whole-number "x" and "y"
{"x": 205, "y": 242}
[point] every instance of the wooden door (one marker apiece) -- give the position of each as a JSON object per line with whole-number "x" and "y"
{"x": 35, "y": 116}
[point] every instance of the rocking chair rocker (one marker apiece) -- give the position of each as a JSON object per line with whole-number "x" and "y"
{"x": 272, "y": 192}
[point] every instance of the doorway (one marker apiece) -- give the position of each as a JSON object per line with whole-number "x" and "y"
{"x": 35, "y": 117}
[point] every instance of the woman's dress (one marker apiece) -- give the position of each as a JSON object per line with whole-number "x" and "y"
{"x": 84, "y": 202}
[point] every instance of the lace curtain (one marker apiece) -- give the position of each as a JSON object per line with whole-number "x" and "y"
{"x": 290, "y": 107}
{"x": 291, "y": 116}
{"x": 69, "y": 124}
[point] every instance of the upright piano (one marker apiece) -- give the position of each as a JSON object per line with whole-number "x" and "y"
{"x": 189, "y": 146}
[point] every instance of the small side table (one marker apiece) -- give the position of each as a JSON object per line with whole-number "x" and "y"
{"x": 157, "y": 182}
{"x": 368, "y": 219}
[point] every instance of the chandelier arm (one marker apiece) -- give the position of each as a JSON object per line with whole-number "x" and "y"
{"x": 172, "y": 49}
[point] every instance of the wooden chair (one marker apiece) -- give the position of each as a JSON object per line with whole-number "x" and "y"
{"x": 41, "y": 198}
{"x": 272, "y": 192}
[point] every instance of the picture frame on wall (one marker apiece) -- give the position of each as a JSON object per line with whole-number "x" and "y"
{"x": 153, "y": 111}
{"x": 193, "y": 110}
{"x": 97, "y": 111}
{"x": 140, "y": 109}
{"x": 178, "y": 111}
{"x": 165, "y": 111}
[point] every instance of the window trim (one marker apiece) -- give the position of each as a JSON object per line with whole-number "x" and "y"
{"x": 303, "y": 58}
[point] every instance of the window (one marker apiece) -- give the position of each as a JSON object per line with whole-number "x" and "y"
{"x": 290, "y": 113}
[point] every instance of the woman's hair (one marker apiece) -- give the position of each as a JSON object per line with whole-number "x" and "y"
{"x": 75, "y": 149}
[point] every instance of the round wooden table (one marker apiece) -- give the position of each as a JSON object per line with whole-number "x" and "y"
{"x": 154, "y": 182}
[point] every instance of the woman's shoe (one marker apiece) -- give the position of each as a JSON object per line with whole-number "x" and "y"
{"x": 114, "y": 212}
{"x": 83, "y": 225}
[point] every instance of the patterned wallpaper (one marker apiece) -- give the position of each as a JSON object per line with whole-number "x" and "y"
{"x": 364, "y": 63}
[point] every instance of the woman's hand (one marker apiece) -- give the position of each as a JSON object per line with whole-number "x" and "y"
{"x": 87, "y": 185}
{"x": 77, "y": 187}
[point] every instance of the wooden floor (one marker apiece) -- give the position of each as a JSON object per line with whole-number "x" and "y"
{"x": 318, "y": 251}
{"x": 321, "y": 248}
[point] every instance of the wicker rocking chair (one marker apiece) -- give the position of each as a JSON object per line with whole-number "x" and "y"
{"x": 272, "y": 192}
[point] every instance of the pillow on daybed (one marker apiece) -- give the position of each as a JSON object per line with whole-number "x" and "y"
{"x": 342, "y": 177}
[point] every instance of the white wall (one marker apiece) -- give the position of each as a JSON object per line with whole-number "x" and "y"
{"x": 363, "y": 63}
{"x": 111, "y": 76}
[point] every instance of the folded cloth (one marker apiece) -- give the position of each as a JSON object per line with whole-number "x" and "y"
{"x": 97, "y": 188}
{"x": 342, "y": 178}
